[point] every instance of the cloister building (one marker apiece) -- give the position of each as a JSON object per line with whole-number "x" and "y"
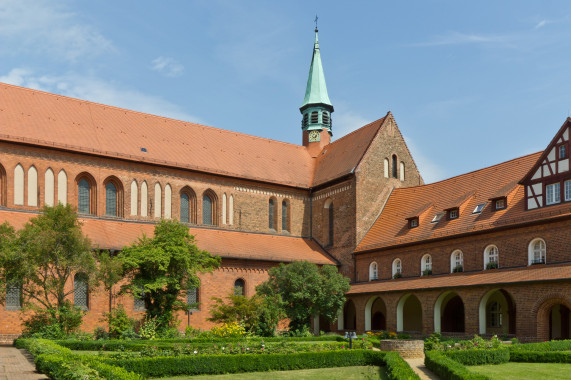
{"x": 485, "y": 252}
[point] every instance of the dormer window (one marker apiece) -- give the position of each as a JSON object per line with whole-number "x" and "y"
{"x": 479, "y": 208}
{"x": 437, "y": 217}
{"x": 500, "y": 204}
{"x": 453, "y": 213}
{"x": 562, "y": 151}
{"x": 414, "y": 222}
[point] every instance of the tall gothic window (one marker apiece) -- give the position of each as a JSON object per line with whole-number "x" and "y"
{"x": 285, "y": 216}
{"x": 272, "y": 214}
{"x": 184, "y": 208}
{"x": 13, "y": 296}
{"x": 331, "y": 225}
{"x": 83, "y": 197}
{"x": 80, "y": 291}
{"x": 3, "y": 189}
{"x": 394, "y": 166}
{"x": 110, "y": 199}
{"x": 239, "y": 287}
{"x": 206, "y": 210}
{"x": 192, "y": 298}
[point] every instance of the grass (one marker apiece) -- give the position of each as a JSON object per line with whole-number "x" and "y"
{"x": 524, "y": 371}
{"x": 350, "y": 373}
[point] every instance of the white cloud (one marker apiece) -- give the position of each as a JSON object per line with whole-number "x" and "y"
{"x": 429, "y": 170}
{"x": 98, "y": 90}
{"x": 167, "y": 66}
{"x": 456, "y": 38}
{"x": 540, "y": 24}
{"x": 49, "y": 29}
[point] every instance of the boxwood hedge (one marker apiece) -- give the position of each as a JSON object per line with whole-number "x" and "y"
{"x": 449, "y": 369}
{"x": 479, "y": 356}
{"x": 554, "y": 345}
{"x": 540, "y": 357}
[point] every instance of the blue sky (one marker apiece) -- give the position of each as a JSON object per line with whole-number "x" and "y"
{"x": 471, "y": 84}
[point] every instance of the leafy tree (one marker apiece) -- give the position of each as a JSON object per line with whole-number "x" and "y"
{"x": 109, "y": 273}
{"x": 306, "y": 290}
{"x": 159, "y": 268}
{"x": 43, "y": 257}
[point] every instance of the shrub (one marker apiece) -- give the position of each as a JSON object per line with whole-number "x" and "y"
{"x": 448, "y": 369}
{"x": 477, "y": 356}
{"x": 397, "y": 368}
{"x": 540, "y": 357}
{"x": 54, "y": 323}
{"x": 118, "y": 321}
{"x": 554, "y": 345}
{"x": 149, "y": 328}
{"x": 229, "y": 330}
{"x": 100, "y": 333}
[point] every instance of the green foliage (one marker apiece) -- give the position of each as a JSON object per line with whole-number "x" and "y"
{"x": 449, "y": 369}
{"x": 118, "y": 321}
{"x": 148, "y": 329}
{"x": 479, "y": 356}
{"x": 54, "y": 323}
{"x": 398, "y": 368}
{"x": 434, "y": 343}
{"x": 541, "y": 357}
{"x": 303, "y": 290}
{"x": 159, "y": 268}
{"x": 554, "y": 345}
{"x": 216, "y": 364}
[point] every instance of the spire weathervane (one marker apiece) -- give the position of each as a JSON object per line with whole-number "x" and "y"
{"x": 316, "y": 18}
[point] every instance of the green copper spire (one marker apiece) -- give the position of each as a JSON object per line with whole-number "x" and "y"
{"x": 316, "y": 90}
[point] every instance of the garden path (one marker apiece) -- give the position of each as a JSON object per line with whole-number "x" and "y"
{"x": 17, "y": 364}
{"x": 417, "y": 364}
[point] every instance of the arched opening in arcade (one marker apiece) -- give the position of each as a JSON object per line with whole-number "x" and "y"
{"x": 559, "y": 322}
{"x": 409, "y": 314}
{"x": 324, "y": 324}
{"x": 449, "y": 313}
{"x": 375, "y": 314}
{"x": 497, "y": 313}
{"x": 349, "y": 316}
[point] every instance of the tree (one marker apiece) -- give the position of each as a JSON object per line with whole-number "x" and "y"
{"x": 44, "y": 256}
{"x": 158, "y": 269}
{"x": 109, "y": 273}
{"x": 306, "y": 290}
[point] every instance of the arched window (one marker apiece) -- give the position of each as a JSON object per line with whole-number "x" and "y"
{"x": 397, "y": 268}
{"x": 13, "y": 295}
{"x": 144, "y": 199}
{"x": 3, "y": 188}
{"x": 373, "y": 271}
{"x": 139, "y": 301}
{"x": 491, "y": 257}
{"x": 62, "y": 187}
{"x": 239, "y": 287}
{"x": 49, "y": 187}
{"x": 83, "y": 196}
{"x": 231, "y": 210}
{"x": 110, "y": 199}
{"x": 456, "y": 261}
{"x": 209, "y": 209}
{"x": 329, "y": 222}
{"x": 537, "y": 252}
{"x": 134, "y": 197}
{"x": 19, "y": 185}
{"x": 113, "y": 197}
{"x": 285, "y": 216}
{"x": 158, "y": 200}
{"x": 184, "y": 208}
{"x": 80, "y": 291}
{"x": 168, "y": 201}
{"x": 32, "y": 187}
{"x": 192, "y": 299}
{"x": 224, "y": 205}
{"x": 402, "y": 171}
{"x": 386, "y": 167}
{"x": 426, "y": 265}
{"x": 272, "y": 214}
{"x": 395, "y": 163}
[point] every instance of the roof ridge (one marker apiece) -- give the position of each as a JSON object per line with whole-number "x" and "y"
{"x": 90, "y": 102}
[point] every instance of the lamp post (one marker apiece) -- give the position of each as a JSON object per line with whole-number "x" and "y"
{"x": 350, "y": 335}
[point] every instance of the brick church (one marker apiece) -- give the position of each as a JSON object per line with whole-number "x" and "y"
{"x": 485, "y": 252}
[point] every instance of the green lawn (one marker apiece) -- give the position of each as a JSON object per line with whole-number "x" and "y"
{"x": 349, "y": 373}
{"x": 525, "y": 371}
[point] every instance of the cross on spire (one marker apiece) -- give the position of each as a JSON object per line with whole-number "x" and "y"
{"x": 316, "y": 18}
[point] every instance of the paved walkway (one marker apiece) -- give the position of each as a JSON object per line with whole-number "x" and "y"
{"x": 417, "y": 364}
{"x": 17, "y": 364}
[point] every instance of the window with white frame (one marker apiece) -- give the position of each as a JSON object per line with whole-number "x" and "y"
{"x": 500, "y": 204}
{"x": 456, "y": 261}
{"x": 373, "y": 271}
{"x": 426, "y": 265}
{"x": 568, "y": 190}
{"x": 553, "y": 194}
{"x": 453, "y": 214}
{"x": 537, "y": 252}
{"x": 397, "y": 268}
{"x": 491, "y": 257}
{"x": 562, "y": 151}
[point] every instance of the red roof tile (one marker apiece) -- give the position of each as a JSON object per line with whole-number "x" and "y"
{"x": 470, "y": 189}
{"x": 501, "y": 276}
{"x": 111, "y": 234}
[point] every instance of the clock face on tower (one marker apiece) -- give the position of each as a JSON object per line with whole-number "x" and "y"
{"x": 314, "y": 136}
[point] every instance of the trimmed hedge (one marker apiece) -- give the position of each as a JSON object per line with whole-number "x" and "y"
{"x": 219, "y": 364}
{"x": 479, "y": 356}
{"x": 554, "y": 345}
{"x": 540, "y": 357}
{"x": 448, "y": 369}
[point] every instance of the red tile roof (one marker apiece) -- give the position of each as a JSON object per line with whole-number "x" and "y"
{"x": 465, "y": 191}
{"x": 52, "y": 120}
{"x": 111, "y": 234}
{"x": 499, "y": 276}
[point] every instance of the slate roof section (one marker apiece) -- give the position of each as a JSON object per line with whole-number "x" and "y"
{"x": 111, "y": 234}
{"x": 496, "y": 277}
{"x": 55, "y": 121}
{"x": 391, "y": 228}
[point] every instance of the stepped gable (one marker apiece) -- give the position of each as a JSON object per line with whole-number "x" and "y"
{"x": 57, "y": 121}
{"x": 111, "y": 234}
{"x": 468, "y": 190}
{"x": 342, "y": 156}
